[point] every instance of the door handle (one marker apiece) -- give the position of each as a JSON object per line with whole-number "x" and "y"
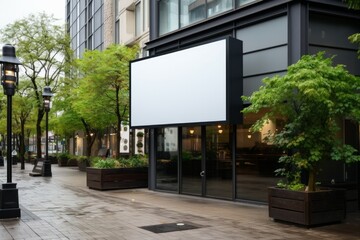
{"x": 202, "y": 173}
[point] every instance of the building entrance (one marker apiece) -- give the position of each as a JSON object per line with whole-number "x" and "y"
{"x": 206, "y": 162}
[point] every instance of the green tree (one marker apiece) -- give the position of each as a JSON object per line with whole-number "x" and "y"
{"x": 103, "y": 92}
{"x": 44, "y": 50}
{"x": 355, "y": 38}
{"x": 313, "y": 98}
{"x": 24, "y": 103}
{"x": 354, "y": 4}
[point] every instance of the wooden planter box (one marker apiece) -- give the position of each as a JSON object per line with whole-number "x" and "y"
{"x": 307, "y": 208}
{"x": 116, "y": 178}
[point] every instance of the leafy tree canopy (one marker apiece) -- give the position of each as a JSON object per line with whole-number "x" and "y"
{"x": 313, "y": 97}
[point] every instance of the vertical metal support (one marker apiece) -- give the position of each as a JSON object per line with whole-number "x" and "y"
{"x": 47, "y": 136}
{"x": 9, "y": 133}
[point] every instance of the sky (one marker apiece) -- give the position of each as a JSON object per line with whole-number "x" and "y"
{"x": 12, "y": 10}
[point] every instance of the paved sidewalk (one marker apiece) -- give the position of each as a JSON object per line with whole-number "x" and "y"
{"x": 62, "y": 207}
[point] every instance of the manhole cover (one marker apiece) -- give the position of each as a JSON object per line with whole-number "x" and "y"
{"x": 171, "y": 227}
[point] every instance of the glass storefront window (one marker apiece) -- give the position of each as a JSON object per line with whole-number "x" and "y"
{"x": 168, "y": 16}
{"x": 218, "y": 161}
{"x": 218, "y": 6}
{"x": 191, "y": 11}
{"x": 167, "y": 159}
{"x": 191, "y": 160}
{"x": 175, "y": 14}
{"x": 256, "y": 159}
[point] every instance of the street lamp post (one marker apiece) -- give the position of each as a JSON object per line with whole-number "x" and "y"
{"x": 47, "y": 94}
{"x": 9, "y": 197}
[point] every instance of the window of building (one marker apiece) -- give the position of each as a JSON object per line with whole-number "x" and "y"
{"x": 90, "y": 12}
{"x": 90, "y": 43}
{"x": 169, "y": 16}
{"x": 256, "y": 158}
{"x": 117, "y": 8}
{"x": 90, "y": 27}
{"x": 218, "y": 6}
{"x": 243, "y": 2}
{"x": 192, "y": 11}
{"x": 174, "y": 14}
{"x": 117, "y": 31}
{"x": 167, "y": 159}
{"x": 138, "y": 24}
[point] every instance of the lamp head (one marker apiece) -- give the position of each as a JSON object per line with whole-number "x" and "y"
{"x": 47, "y": 94}
{"x": 9, "y": 69}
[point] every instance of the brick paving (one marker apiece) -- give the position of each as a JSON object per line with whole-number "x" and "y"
{"x": 62, "y": 207}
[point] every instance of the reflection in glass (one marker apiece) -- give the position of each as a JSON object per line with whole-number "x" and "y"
{"x": 218, "y": 6}
{"x": 168, "y": 16}
{"x": 243, "y": 2}
{"x": 218, "y": 162}
{"x": 256, "y": 159}
{"x": 167, "y": 159}
{"x": 191, "y": 11}
{"x": 191, "y": 159}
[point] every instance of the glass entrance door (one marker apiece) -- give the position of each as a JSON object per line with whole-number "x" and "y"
{"x": 206, "y": 161}
{"x": 218, "y": 164}
{"x": 191, "y": 161}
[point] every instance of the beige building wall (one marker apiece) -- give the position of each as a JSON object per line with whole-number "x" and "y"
{"x": 109, "y": 22}
{"x": 132, "y": 14}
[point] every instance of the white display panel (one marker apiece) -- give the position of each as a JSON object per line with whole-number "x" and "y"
{"x": 188, "y": 86}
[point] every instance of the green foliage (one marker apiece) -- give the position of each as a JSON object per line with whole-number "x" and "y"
{"x": 312, "y": 98}
{"x": 354, "y": 4}
{"x": 44, "y": 50}
{"x": 63, "y": 156}
{"x": 82, "y": 159}
{"x": 106, "y": 163}
{"x": 132, "y": 162}
{"x": 103, "y": 86}
{"x": 355, "y": 38}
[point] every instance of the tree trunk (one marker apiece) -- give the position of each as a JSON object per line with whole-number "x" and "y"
{"x": 118, "y": 125}
{"x": 311, "y": 183}
{"x": 90, "y": 142}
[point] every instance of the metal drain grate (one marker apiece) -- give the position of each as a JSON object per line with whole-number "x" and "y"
{"x": 171, "y": 227}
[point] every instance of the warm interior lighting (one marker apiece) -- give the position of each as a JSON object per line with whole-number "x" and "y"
{"x": 9, "y": 73}
{"x": 220, "y": 131}
{"x": 191, "y": 131}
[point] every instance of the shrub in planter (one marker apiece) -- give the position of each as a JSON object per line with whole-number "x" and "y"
{"x": 111, "y": 173}
{"x": 312, "y": 100}
{"x": 63, "y": 159}
{"x": 83, "y": 162}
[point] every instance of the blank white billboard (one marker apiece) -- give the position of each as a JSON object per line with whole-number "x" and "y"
{"x": 187, "y": 86}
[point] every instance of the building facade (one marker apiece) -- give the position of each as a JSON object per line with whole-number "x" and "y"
{"x": 94, "y": 25}
{"x": 227, "y": 161}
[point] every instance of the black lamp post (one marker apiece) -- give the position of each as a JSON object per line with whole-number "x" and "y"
{"x": 47, "y": 94}
{"x": 9, "y": 198}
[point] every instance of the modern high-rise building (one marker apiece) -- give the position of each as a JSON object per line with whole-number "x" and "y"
{"x": 214, "y": 154}
{"x": 95, "y": 24}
